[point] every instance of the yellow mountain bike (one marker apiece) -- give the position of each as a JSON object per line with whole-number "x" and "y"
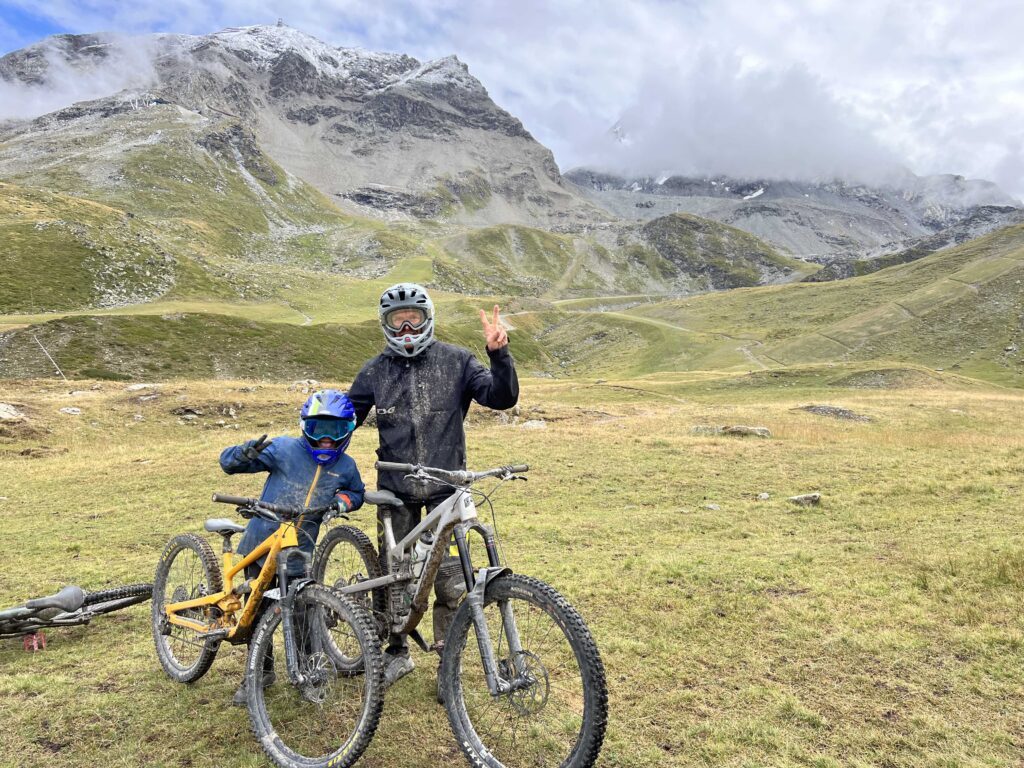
{"x": 323, "y": 712}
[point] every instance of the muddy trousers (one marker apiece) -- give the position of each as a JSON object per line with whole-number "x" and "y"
{"x": 449, "y": 586}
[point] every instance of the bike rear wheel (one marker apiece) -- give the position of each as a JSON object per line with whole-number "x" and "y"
{"x": 329, "y": 719}
{"x": 346, "y": 556}
{"x": 188, "y": 569}
{"x": 557, "y": 713}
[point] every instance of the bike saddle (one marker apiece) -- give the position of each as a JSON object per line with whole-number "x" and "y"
{"x": 223, "y": 526}
{"x": 387, "y": 498}
{"x": 68, "y": 599}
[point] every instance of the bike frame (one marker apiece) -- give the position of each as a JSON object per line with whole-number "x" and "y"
{"x": 456, "y": 515}
{"x": 277, "y": 547}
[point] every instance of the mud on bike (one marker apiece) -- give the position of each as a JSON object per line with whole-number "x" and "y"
{"x": 314, "y": 675}
{"x": 521, "y": 677}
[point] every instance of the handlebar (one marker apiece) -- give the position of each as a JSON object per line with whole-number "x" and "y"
{"x": 457, "y": 476}
{"x": 278, "y": 511}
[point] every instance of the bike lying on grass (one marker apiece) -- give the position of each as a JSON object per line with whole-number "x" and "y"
{"x": 71, "y": 606}
{"x": 525, "y": 687}
{"x": 324, "y": 710}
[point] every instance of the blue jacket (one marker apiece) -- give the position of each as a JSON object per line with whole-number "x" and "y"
{"x": 297, "y": 480}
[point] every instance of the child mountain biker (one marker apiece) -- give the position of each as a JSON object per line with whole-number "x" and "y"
{"x": 309, "y": 471}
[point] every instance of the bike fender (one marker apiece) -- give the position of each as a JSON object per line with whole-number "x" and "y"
{"x": 483, "y": 577}
{"x": 297, "y": 584}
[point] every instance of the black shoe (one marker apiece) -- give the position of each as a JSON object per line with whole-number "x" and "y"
{"x": 242, "y": 694}
{"x": 397, "y": 666}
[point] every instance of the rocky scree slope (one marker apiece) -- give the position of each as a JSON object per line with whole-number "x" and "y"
{"x": 822, "y": 222}
{"x": 202, "y": 151}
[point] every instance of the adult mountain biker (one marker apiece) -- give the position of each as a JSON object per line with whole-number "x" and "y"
{"x": 308, "y": 471}
{"x": 421, "y": 389}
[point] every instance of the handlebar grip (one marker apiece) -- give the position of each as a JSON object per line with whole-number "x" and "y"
{"x": 238, "y": 501}
{"x": 391, "y": 466}
{"x": 520, "y": 468}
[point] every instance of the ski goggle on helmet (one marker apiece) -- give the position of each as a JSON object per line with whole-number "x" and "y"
{"x": 407, "y": 317}
{"x": 327, "y": 414}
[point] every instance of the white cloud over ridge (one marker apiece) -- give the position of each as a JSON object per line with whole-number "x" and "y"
{"x": 819, "y": 86}
{"x": 127, "y": 65}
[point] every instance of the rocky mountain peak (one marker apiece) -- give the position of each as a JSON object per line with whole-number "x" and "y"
{"x": 382, "y": 134}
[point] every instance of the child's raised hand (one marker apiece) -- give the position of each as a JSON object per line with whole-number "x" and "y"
{"x": 251, "y": 450}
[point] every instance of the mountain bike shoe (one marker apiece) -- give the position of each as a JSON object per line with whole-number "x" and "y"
{"x": 397, "y": 666}
{"x": 239, "y": 699}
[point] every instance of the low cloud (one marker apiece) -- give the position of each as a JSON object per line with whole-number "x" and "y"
{"x": 718, "y": 117}
{"x": 936, "y": 85}
{"x": 111, "y": 65}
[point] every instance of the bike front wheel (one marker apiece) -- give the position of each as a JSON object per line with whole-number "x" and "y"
{"x": 556, "y": 710}
{"x": 328, "y": 717}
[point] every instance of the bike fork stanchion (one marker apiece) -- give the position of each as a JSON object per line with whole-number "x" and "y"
{"x": 464, "y": 561}
{"x": 291, "y": 648}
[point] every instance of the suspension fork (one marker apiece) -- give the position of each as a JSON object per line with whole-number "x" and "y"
{"x": 288, "y": 613}
{"x": 475, "y": 597}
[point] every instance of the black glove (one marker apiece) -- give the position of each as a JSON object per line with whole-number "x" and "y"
{"x": 251, "y": 450}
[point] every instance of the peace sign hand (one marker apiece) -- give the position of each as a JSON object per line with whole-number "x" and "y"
{"x": 251, "y": 450}
{"x": 494, "y": 332}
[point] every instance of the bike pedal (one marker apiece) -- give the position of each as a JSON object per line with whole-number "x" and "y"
{"x": 34, "y": 642}
{"x": 217, "y": 634}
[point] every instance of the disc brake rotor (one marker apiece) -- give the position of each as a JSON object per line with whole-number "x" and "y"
{"x": 320, "y": 675}
{"x": 530, "y": 684}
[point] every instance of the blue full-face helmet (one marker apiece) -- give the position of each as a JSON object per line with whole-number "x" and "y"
{"x": 327, "y": 414}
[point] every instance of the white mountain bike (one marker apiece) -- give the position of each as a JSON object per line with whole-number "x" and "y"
{"x": 521, "y": 676}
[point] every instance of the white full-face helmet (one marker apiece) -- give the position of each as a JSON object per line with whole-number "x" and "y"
{"x": 407, "y": 317}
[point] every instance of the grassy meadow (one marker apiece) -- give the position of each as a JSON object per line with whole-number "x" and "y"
{"x": 884, "y": 627}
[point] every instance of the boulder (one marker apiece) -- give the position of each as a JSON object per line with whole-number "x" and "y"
{"x": 834, "y": 412}
{"x": 806, "y": 499}
{"x": 9, "y": 413}
{"x": 736, "y": 430}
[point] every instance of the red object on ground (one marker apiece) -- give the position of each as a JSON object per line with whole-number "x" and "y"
{"x": 34, "y": 642}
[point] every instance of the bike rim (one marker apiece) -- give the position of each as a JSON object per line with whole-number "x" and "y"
{"x": 186, "y": 580}
{"x": 538, "y": 725}
{"x": 321, "y": 718}
{"x": 344, "y": 566}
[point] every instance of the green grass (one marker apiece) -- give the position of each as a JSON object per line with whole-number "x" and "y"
{"x": 958, "y": 309}
{"x": 209, "y": 345}
{"x": 882, "y": 628}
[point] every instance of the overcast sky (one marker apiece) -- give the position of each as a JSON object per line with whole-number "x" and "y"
{"x": 747, "y": 87}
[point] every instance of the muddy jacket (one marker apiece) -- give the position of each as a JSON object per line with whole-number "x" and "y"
{"x": 295, "y": 479}
{"x": 421, "y": 403}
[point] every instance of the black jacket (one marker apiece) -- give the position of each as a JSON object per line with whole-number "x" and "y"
{"x": 421, "y": 403}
